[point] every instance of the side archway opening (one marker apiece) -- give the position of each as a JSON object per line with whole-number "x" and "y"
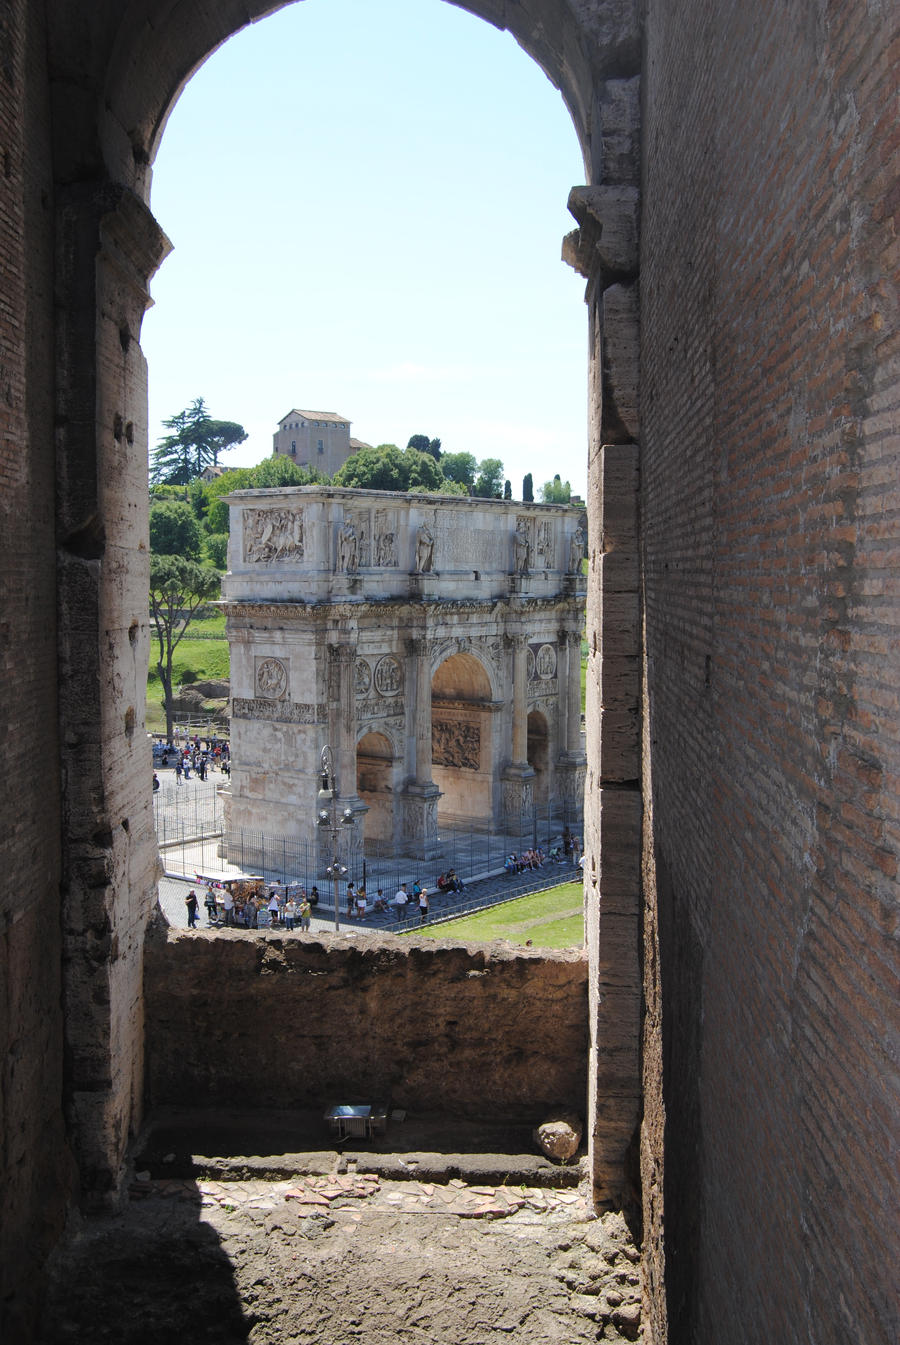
{"x": 375, "y": 785}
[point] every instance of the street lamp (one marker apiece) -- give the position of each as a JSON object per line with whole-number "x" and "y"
{"x": 327, "y": 818}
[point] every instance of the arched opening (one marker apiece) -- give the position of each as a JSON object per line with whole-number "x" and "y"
{"x": 374, "y": 784}
{"x": 539, "y": 757}
{"x": 462, "y": 748}
{"x": 110, "y": 246}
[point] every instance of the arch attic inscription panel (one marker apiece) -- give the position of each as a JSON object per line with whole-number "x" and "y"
{"x": 418, "y": 635}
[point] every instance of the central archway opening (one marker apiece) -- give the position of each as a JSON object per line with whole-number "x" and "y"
{"x": 462, "y": 743}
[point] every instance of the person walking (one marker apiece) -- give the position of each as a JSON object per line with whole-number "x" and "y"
{"x": 210, "y": 904}
{"x": 423, "y": 905}
{"x": 191, "y": 902}
{"x": 305, "y": 911}
{"x": 228, "y": 903}
{"x": 401, "y": 897}
{"x": 179, "y": 771}
{"x": 290, "y": 911}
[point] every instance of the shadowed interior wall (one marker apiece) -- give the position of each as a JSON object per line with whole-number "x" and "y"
{"x": 771, "y": 521}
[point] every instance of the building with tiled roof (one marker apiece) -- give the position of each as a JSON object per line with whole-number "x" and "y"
{"x": 318, "y": 439}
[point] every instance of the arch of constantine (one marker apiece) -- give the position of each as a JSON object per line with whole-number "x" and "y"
{"x": 434, "y": 642}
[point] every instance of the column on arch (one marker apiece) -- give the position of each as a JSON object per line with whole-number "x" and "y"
{"x": 520, "y": 700}
{"x": 420, "y": 666}
{"x": 573, "y": 691}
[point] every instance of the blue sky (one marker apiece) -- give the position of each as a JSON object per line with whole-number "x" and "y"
{"x": 367, "y": 204}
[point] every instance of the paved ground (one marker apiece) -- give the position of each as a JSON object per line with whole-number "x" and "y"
{"x": 489, "y": 892}
{"x": 188, "y": 820}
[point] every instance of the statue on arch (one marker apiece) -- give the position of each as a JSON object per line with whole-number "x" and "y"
{"x": 348, "y": 549}
{"x": 424, "y": 551}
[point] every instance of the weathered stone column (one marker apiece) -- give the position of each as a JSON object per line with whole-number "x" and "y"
{"x": 418, "y": 650}
{"x": 570, "y": 766}
{"x": 518, "y": 776}
{"x": 421, "y": 796}
{"x": 573, "y": 693}
{"x": 342, "y": 726}
{"x": 108, "y": 246}
{"x": 520, "y": 704}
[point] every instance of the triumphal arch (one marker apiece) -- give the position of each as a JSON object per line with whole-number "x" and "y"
{"x": 433, "y": 642}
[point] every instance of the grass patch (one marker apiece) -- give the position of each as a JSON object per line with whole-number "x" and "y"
{"x": 551, "y": 919}
{"x": 202, "y": 653}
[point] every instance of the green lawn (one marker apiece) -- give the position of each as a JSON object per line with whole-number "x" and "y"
{"x": 203, "y": 652}
{"x": 551, "y": 919}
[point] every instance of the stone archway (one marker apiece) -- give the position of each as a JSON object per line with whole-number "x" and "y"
{"x": 375, "y": 786}
{"x": 112, "y": 84}
{"x": 461, "y": 741}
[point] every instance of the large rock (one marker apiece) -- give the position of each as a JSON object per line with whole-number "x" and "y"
{"x": 559, "y": 1136}
{"x": 214, "y": 688}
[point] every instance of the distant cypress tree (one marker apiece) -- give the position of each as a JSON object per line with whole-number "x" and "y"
{"x": 507, "y": 490}
{"x": 527, "y": 489}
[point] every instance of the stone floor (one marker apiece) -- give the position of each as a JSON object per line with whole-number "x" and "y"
{"x": 346, "y": 1257}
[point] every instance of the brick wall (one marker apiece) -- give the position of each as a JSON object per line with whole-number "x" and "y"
{"x": 35, "y": 1176}
{"x": 288, "y": 1021}
{"x": 770, "y": 526}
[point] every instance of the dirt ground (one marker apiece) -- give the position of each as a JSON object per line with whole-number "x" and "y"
{"x": 345, "y": 1256}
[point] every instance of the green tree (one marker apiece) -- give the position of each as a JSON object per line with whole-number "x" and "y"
{"x": 422, "y": 444}
{"x": 388, "y": 467}
{"x": 489, "y": 481}
{"x": 217, "y": 515}
{"x": 507, "y": 490}
{"x": 527, "y": 488}
{"x": 194, "y": 442}
{"x": 215, "y": 544}
{"x": 460, "y": 467}
{"x": 278, "y": 471}
{"x": 178, "y": 587}
{"x": 556, "y": 491}
{"x": 174, "y": 530}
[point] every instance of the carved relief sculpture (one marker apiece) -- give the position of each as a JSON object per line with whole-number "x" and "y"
{"x": 385, "y": 549}
{"x": 273, "y": 534}
{"x": 545, "y": 663}
{"x": 271, "y": 678}
{"x": 385, "y": 539}
{"x": 388, "y": 676}
{"x": 363, "y": 677}
{"x": 545, "y": 545}
{"x": 456, "y": 744}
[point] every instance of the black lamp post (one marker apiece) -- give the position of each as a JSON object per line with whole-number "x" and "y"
{"x": 327, "y": 818}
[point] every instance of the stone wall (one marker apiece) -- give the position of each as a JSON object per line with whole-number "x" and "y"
{"x": 771, "y": 514}
{"x": 290, "y": 1021}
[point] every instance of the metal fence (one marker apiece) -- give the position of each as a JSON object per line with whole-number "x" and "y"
{"x": 192, "y": 840}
